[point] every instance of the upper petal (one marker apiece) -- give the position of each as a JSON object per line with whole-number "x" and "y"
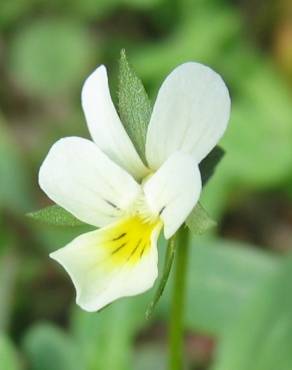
{"x": 173, "y": 191}
{"x": 191, "y": 113}
{"x": 105, "y": 126}
{"x": 78, "y": 176}
{"x": 110, "y": 263}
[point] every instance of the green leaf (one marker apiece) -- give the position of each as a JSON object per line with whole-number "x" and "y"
{"x": 209, "y": 164}
{"x": 199, "y": 221}
{"x": 55, "y": 215}
{"x": 261, "y": 337}
{"x": 168, "y": 261}
{"x": 8, "y": 356}
{"x": 49, "y": 348}
{"x": 134, "y": 105}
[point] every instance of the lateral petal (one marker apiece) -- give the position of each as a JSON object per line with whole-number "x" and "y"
{"x": 173, "y": 191}
{"x": 78, "y": 176}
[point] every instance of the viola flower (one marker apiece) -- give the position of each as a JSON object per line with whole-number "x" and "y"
{"x": 104, "y": 182}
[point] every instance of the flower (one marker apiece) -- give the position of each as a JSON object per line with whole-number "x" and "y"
{"x": 104, "y": 183}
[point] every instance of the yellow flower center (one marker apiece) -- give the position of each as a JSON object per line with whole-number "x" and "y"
{"x": 128, "y": 240}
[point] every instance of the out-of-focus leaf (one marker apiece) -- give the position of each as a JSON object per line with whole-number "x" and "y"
{"x": 168, "y": 261}
{"x": 134, "y": 105}
{"x": 55, "y": 215}
{"x": 8, "y": 273}
{"x": 209, "y": 164}
{"x": 11, "y": 11}
{"x": 90, "y": 9}
{"x": 106, "y": 338}
{"x": 190, "y": 40}
{"x": 150, "y": 356}
{"x": 48, "y": 348}
{"x": 258, "y": 144}
{"x": 15, "y": 192}
{"x": 140, "y": 3}
{"x": 9, "y": 359}
{"x": 53, "y": 237}
{"x": 261, "y": 337}
{"x": 221, "y": 278}
{"x": 199, "y": 221}
{"x": 50, "y": 56}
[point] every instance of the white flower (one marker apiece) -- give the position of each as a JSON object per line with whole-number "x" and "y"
{"x": 104, "y": 182}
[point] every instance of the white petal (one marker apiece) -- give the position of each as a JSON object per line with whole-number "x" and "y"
{"x": 100, "y": 275}
{"x": 83, "y": 180}
{"x": 105, "y": 126}
{"x": 191, "y": 113}
{"x": 173, "y": 191}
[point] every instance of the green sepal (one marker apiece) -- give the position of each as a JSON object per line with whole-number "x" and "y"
{"x": 169, "y": 256}
{"x": 209, "y": 164}
{"x": 199, "y": 220}
{"x": 134, "y": 105}
{"x": 55, "y": 215}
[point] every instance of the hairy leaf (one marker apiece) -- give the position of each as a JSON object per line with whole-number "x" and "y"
{"x": 55, "y": 215}
{"x": 199, "y": 221}
{"x": 134, "y": 105}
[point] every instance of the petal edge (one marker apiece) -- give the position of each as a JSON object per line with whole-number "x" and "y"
{"x": 105, "y": 125}
{"x": 98, "y": 285}
{"x": 193, "y": 107}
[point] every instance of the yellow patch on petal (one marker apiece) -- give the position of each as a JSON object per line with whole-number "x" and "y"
{"x": 128, "y": 240}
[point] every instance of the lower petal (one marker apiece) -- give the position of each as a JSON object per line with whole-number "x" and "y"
{"x": 116, "y": 261}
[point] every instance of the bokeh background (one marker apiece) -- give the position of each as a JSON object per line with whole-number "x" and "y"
{"x": 239, "y": 306}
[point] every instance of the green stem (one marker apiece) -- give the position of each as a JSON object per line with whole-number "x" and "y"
{"x": 178, "y": 302}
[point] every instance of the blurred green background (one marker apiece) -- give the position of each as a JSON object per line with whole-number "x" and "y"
{"x": 239, "y": 306}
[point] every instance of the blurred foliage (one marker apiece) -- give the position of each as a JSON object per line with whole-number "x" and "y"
{"x": 15, "y": 185}
{"x": 261, "y": 339}
{"x": 49, "y": 56}
{"x": 43, "y": 343}
{"x": 8, "y": 355}
{"x": 238, "y": 294}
